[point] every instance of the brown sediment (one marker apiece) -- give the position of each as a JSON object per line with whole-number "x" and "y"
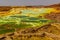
{"x": 53, "y": 16}
{"x": 46, "y": 32}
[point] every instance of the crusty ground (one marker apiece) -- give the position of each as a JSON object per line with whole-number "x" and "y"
{"x": 53, "y": 16}
{"x": 46, "y": 32}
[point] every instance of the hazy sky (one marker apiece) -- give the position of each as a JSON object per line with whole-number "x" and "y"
{"x": 27, "y": 2}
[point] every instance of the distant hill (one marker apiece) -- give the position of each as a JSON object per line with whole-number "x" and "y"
{"x": 6, "y": 8}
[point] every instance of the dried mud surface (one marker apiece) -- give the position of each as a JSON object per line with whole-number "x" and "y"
{"x": 46, "y": 32}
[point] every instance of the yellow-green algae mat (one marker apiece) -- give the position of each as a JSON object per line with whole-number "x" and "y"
{"x": 25, "y": 18}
